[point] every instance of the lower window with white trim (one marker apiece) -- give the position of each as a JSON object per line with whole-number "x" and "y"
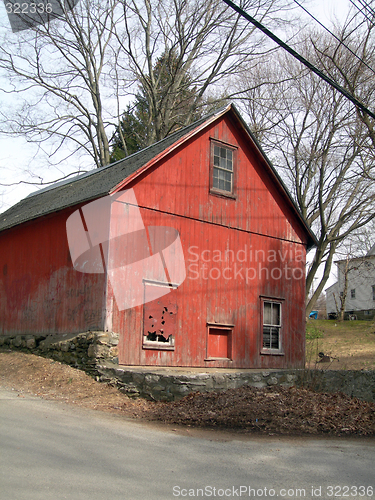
{"x": 271, "y": 326}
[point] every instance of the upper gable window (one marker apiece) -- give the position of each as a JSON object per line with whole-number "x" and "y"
{"x": 223, "y": 165}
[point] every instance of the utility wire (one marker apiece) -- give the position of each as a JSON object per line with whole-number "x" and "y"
{"x": 362, "y": 12}
{"x": 367, "y": 7}
{"x": 334, "y": 36}
{"x": 300, "y": 58}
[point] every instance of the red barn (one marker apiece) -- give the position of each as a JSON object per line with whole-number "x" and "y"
{"x": 191, "y": 249}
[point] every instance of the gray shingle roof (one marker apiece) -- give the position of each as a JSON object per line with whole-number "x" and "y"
{"x": 94, "y": 184}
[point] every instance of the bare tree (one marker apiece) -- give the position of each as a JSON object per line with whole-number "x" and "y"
{"x": 322, "y": 147}
{"x": 350, "y": 62}
{"x": 321, "y": 306}
{"x": 68, "y": 81}
{"x": 58, "y": 74}
{"x": 208, "y": 42}
{"x": 344, "y": 270}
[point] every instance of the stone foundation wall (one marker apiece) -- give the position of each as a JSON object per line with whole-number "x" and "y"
{"x": 83, "y": 351}
{"x": 170, "y": 385}
{"x": 96, "y": 354}
{"x": 354, "y": 383}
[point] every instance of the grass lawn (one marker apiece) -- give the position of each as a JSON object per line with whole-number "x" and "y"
{"x": 350, "y": 344}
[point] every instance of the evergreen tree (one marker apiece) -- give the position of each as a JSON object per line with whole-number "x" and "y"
{"x": 156, "y": 114}
{"x": 130, "y": 137}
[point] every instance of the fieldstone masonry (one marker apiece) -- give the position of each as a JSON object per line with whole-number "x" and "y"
{"x": 96, "y": 354}
{"x": 169, "y": 384}
{"x": 83, "y": 351}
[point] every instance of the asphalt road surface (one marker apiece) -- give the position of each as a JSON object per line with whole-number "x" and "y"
{"x": 49, "y": 450}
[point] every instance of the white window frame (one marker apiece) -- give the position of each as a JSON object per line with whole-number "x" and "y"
{"x": 215, "y": 189}
{"x": 269, "y": 349}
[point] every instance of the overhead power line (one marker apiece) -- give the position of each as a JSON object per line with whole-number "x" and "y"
{"x": 334, "y": 36}
{"x": 300, "y": 58}
{"x": 367, "y": 7}
{"x": 362, "y": 11}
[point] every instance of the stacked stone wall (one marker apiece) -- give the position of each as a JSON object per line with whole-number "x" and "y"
{"x": 96, "y": 354}
{"x": 83, "y": 350}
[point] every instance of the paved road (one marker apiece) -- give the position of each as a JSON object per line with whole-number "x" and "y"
{"x": 51, "y": 451}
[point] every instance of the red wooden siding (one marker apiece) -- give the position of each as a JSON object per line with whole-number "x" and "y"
{"x": 226, "y": 292}
{"x": 39, "y": 289}
{"x": 219, "y": 343}
{"x": 265, "y": 244}
{"x": 180, "y": 185}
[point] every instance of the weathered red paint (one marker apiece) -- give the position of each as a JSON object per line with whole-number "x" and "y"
{"x": 219, "y": 343}
{"x": 232, "y": 247}
{"x": 257, "y": 224}
{"x": 40, "y": 292}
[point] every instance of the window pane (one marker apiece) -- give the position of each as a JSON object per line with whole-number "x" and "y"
{"x": 223, "y": 174}
{"x": 274, "y": 338}
{"x": 216, "y": 178}
{"x": 267, "y": 337}
{"x": 222, "y": 180}
{"x": 276, "y": 314}
{"x": 267, "y": 313}
{"x": 271, "y": 325}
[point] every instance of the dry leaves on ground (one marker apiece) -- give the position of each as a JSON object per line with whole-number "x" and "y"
{"x": 272, "y": 410}
{"x": 276, "y": 410}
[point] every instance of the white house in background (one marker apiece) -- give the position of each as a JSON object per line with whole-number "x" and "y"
{"x": 360, "y": 297}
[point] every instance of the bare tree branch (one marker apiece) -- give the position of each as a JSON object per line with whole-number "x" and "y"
{"x": 323, "y": 147}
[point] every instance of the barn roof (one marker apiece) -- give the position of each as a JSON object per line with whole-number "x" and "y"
{"x": 105, "y": 180}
